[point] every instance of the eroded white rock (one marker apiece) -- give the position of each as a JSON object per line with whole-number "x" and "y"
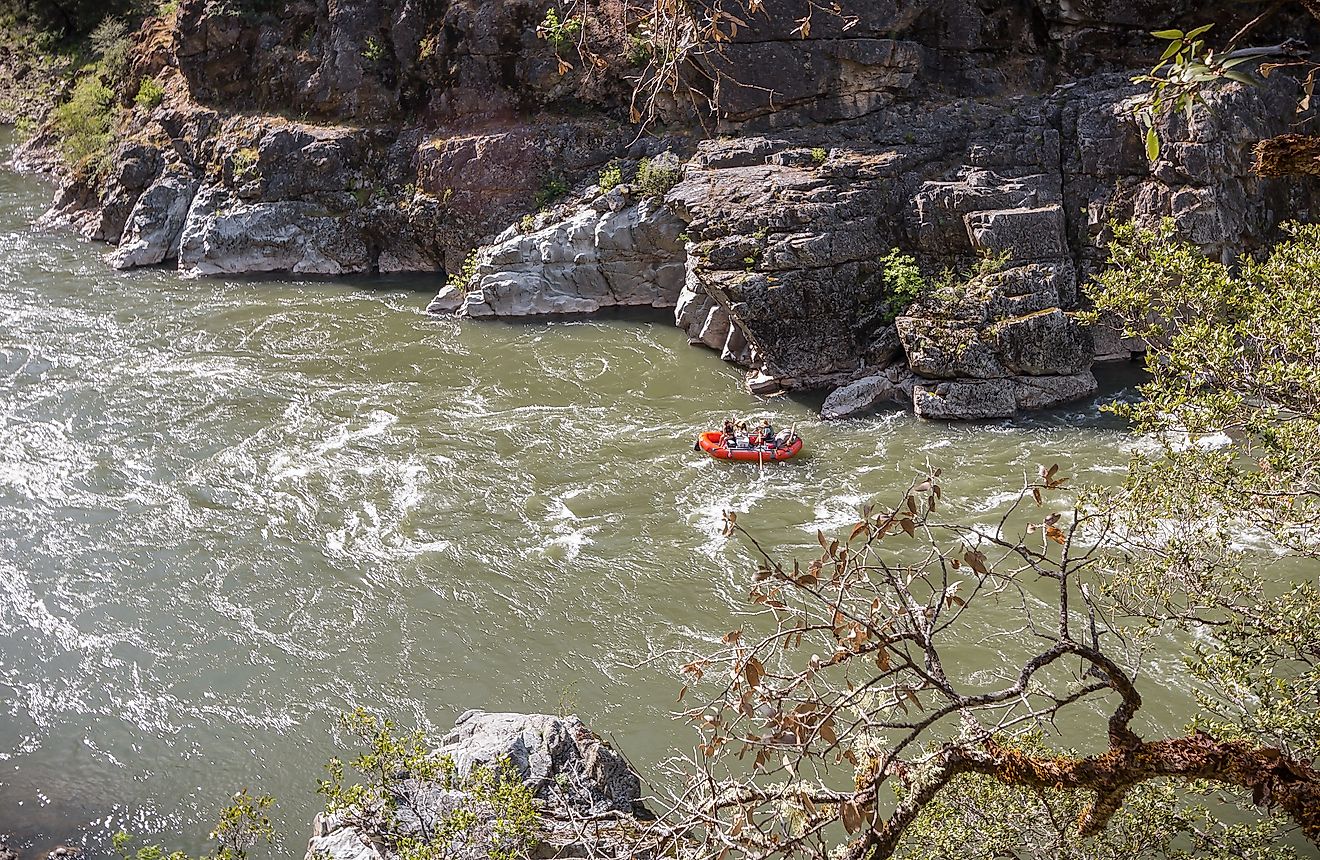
{"x": 596, "y": 258}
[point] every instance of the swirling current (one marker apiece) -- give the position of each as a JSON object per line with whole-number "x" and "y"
{"x": 232, "y": 509}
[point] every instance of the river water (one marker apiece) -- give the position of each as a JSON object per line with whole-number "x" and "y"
{"x": 232, "y": 509}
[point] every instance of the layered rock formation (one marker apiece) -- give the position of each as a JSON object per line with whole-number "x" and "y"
{"x": 953, "y": 130}
{"x": 572, "y": 773}
{"x": 785, "y": 271}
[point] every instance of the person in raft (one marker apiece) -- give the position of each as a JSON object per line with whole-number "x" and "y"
{"x": 729, "y": 433}
{"x": 767, "y": 433}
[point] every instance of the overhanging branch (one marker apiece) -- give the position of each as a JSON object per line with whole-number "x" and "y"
{"x": 1273, "y": 780}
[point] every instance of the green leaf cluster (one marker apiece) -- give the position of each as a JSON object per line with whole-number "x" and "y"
{"x": 394, "y": 796}
{"x": 242, "y": 825}
{"x": 657, "y": 176}
{"x": 373, "y": 51}
{"x": 553, "y": 187}
{"x": 611, "y": 176}
{"x": 903, "y": 280}
{"x": 559, "y": 32}
{"x": 1177, "y": 80}
{"x": 150, "y": 94}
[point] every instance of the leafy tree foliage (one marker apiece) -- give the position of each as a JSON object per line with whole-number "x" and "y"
{"x": 844, "y": 719}
{"x": 1188, "y": 66}
{"x": 243, "y": 824}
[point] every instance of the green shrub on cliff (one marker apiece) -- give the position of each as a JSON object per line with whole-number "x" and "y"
{"x": 374, "y": 50}
{"x": 902, "y": 276}
{"x": 83, "y": 122}
{"x": 559, "y": 32}
{"x": 243, "y": 824}
{"x": 903, "y": 281}
{"x": 612, "y": 176}
{"x": 466, "y": 278}
{"x": 111, "y": 44}
{"x": 552, "y": 188}
{"x": 656, "y": 176}
{"x": 150, "y": 94}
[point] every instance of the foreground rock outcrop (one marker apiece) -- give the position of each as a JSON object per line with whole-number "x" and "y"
{"x": 572, "y": 774}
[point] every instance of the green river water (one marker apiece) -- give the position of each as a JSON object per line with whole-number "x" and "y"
{"x": 232, "y": 509}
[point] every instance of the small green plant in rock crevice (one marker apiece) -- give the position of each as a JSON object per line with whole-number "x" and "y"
{"x": 903, "y": 281}
{"x": 640, "y": 51}
{"x": 656, "y": 176}
{"x": 611, "y": 176}
{"x": 466, "y": 278}
{"x": 552, "y": 188}
{"x": 243, "y": 162}
{"x": 558, "y": 33}
{"x": 150, "y": 94}
{"x": 374, "y": 50}
{"x": 400, "y": 773}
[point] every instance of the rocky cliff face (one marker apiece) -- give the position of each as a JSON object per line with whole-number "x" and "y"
{"x": 379, "y": 135}
{"x": 400, "y": 135}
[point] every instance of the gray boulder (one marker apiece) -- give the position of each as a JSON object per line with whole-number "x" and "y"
{"x": 153, "y": 230}
{"x": 941, "y": 207}
{"x": 949, "y": 349}
{"x": 965, "y": 400}
{"x": 983, "y": 399}
{"x": 447, "y": 301}
{"x": 893, "y": 385}
{"x": 1044, "y": 343}
{"x": 1029, "y": 288}
{"x": 599, "y": 256}
{"x": 1022, "y": 233}
{"x": 552, "y": 754}
{"x": 225, "y": 236}
{"x": 137, "y": 166}
{"x": 1045, "y": 392}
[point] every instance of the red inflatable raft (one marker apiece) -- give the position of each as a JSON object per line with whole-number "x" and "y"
{"x": 711, "y": 444}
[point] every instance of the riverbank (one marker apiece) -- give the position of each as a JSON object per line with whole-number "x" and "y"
{"x": 779, "y": 236}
